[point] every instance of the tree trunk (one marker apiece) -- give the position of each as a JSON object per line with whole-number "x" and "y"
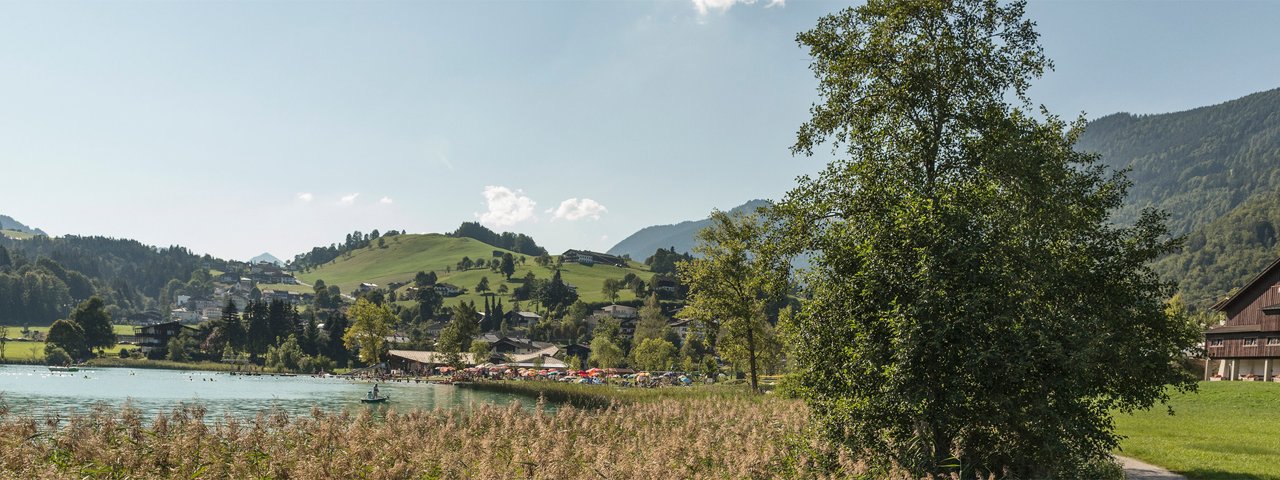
{"x": 751, "y": 356}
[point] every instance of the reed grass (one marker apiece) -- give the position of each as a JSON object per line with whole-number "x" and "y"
{"x": 711, "y": 437}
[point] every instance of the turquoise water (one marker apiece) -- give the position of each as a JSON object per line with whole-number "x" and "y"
{"x": 34, "y": 390}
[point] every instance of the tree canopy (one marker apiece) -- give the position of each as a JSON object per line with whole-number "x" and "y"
{"x": 970, "y": 307}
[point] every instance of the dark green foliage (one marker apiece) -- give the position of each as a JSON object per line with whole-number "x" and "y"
{"x": 664, "y": 260}
{"x": 125, "y": 273}
{"x": 68, "y": 336}
{"x": 516, "y": 242}
{"x": 970, "y": 308}
{"x": 96, "y": 323}
{"x": 54, "y": 355}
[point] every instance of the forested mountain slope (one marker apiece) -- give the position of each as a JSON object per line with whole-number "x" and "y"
{"x": 1216, "y": 171}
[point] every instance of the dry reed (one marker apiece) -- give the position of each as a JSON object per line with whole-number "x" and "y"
{"x": 668, "y": 439}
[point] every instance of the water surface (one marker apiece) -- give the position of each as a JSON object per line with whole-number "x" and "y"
{"x": 34, "y": 390}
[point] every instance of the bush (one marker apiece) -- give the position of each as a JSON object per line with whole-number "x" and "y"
{"x": 56, "y": 356}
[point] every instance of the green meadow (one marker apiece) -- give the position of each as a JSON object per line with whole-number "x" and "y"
{"x": 405, "y": 255}
{"x": 1228, "y": 430}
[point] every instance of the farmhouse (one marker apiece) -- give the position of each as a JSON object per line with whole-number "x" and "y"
{"x": 1247, "y": 345}
{"x": 157, "y": 336}
{"x": 447, "y": 290}
{"x": 591, "y": 258}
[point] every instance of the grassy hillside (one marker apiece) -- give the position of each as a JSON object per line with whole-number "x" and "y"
{"x": 16, "y": 235}
{"x": 406, "y": 255}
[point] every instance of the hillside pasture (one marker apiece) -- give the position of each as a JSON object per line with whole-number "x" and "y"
{"x": 406, "y": 255}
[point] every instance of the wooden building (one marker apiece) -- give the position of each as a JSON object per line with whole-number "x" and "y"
{"x": 1247, "y": 345}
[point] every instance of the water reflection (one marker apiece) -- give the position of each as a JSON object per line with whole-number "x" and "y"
{"x": 34, "y": 390}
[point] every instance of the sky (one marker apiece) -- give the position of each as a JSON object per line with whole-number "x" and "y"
{"x": 236, "y": 128}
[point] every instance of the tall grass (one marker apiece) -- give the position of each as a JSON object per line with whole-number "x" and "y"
{"x": 714, "y": 437}
{"x": 601, "y": 396}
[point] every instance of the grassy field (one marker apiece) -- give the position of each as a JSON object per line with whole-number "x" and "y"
{"x": 1229, "y": 430}
{"x": 15, "y": 331}
{"x": 16, "y": 235}
{"x": 406, "y": 255}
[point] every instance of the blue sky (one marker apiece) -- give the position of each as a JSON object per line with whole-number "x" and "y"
{"x": 234, "y": 128}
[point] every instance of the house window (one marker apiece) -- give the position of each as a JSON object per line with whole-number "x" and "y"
{"x": 1217, "y": 342}
{"x": 1250, "y": 342}
{"x": 1273, "y": 341}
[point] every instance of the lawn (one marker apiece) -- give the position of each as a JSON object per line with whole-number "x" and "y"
{"x": 16, "y": 331}
{"x": 34, "y": 351}
{"x": 16, "y": 235}
{"x": 1229, "y": 430}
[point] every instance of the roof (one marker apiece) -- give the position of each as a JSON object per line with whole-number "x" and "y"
{"x": 528, "y": 314}
{"x": 435, "y": 358}
{"x": 532, "y": 360}
{"x": 1222, "y": 305}
{"x": 1234, "y": 329}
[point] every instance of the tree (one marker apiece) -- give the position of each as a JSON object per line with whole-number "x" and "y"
{"x": 610, "y": 289}
{"x": 370, "y": 326}
{"x": 654, "y": 354}
{"x": 231, "y": 327}
{"x": 652, "y": 323}
{"x": 68, "y": 336}
{"x": 508, "y": 267}
{"x": 731, "y": 286}
{"x": 604, "y": 352}
{"x": 4, "y": 339}
{"x": 55, "y": 355}
{"x": 483, "y": 286}
{"x": 480, "y": 351}
{"x": 95, "y": 321}
{"x": 970, "y": 306}
{"x": 287, "y": 355}
{"x": 502, "y": 289}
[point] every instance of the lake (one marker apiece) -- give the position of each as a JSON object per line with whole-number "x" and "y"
{"x": 34, "y": 390}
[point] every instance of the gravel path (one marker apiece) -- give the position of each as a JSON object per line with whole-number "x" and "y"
{"x": 1137, "y": 470}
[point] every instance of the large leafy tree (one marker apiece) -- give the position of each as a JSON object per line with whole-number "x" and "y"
{"x": 96, "y": 322}
{"x": 68, "y": 336}
{"x": 972, "y": 309}
{"x": 370, "y": 326}
{"x": 731, "y": 288}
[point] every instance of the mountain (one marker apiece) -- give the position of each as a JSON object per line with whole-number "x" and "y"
{"x": 1216, "y": 171}
{"x": 8, "y": 223}
{"x": 644, "y": 243}
{"x": 266, "y": 257}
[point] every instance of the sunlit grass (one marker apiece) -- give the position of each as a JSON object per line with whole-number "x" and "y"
{"x": 1228, "y": 430}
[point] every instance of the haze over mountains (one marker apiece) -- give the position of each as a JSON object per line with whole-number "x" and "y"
{"x": 642, "y": 244}
{"x": 8, "y": 223}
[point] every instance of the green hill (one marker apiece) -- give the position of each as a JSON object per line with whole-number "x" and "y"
{"x": 1216, "y": 171}
{"x": 405, "y": 255}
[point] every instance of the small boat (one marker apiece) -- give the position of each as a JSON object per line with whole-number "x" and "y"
{"x": 63, "y": 369}
{"x": 381, "y": 399}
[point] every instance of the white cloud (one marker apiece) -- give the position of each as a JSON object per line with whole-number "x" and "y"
{"x": 386, "y": 201}
{"x": 348, "y": 199}
{"x": 574, "y": 209}
{"x": 604, "y": 238}
{"x": 306, "y": 196}
{"x": 505, "y": 207}
{"x": 720, "y": 6}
